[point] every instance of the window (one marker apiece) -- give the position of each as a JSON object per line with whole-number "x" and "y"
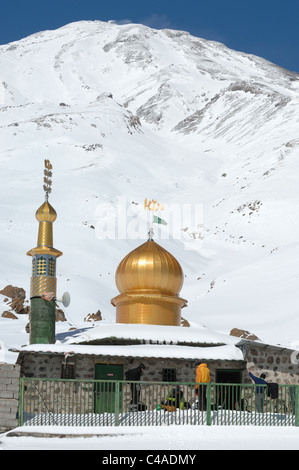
{"x": 51, "y": 267}
{"x": 68, "y": 370}
{"x": 41, "y": 266}
{"x": 168, "y": 375}
{"x": 33, "y": 266}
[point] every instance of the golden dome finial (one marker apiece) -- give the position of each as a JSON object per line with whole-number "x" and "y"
{"x": 46, "y": 213}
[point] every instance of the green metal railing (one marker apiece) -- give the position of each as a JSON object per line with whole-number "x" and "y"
{"x": 123, "y": 403}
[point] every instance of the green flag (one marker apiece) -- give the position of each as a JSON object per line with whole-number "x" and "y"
{"x": 158, "y": 220}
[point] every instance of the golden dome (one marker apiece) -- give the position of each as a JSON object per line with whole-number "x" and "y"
{"x": 149, "y": 267}
{"x": 149, "y": 280}
{"x": 46, "y": 213}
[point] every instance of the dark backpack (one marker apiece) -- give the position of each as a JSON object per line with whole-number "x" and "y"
{"x": 272, "y": 390}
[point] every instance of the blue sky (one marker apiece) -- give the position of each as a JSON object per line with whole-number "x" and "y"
{"x": 267, "y": 28}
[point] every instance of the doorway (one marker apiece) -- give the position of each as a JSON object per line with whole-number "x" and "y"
{"x": 228, "y": 376}
{"x": 106, "y": 397}
{"x": 228, "y": 395}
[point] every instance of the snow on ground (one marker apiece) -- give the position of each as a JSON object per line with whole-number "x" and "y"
{"x": 172, "y": 438}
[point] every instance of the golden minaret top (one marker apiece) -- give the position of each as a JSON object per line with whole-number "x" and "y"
{"x": 44, "y": 254}
{"x": 46, "y": 215}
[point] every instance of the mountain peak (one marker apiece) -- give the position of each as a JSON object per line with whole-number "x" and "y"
{"x": 126, "y": 112}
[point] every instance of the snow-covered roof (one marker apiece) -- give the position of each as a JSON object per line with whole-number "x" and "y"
{"x": 197, "y": 334}
{"x": 227, "y": 352}
{"x": 155, "y": 341}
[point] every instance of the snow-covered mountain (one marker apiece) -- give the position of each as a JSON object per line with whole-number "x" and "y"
{"x": 128, "y": 113}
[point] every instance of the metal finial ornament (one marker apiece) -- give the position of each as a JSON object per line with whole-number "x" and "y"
{"x": 153, "y": 206}
{"x": 47, "y": 179}
{"x": 151, "y": 233}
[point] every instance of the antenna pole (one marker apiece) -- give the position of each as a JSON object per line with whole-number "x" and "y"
{"x": 151, "y": 230}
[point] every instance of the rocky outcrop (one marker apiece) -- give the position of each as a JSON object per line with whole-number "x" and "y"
{"x": 13, "y": 292}
{"x": 7, "y": 314}
{"x": 94, "y": 316}
{"x": 16, "y": 304}
{"x": 60, "y": 316}
{"x": 243, "y": 334}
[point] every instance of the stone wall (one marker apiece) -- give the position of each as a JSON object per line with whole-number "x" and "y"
{"x": 50, "y": 366}
{"x": 73, "y": 397}
{"x": 279, "y": 364}
{"x": 9, "y": 395}
{"x": 41, "y": 365}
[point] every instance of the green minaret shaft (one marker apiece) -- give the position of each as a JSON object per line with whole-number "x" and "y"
{"x": 42, "y": 321}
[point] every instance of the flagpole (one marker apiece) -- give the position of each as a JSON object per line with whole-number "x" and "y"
{"x": 154, "y": 218}
{"x": 151, "y": 230}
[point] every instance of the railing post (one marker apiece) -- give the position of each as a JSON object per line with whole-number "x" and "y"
{"x": 21, "y": 402}
{"x": 208, "y": 404}
{"x": 116, "y": 404}
{"x": 297, "y": 405}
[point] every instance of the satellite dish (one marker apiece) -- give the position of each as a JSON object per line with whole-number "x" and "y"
{"x": 65, "y": 300}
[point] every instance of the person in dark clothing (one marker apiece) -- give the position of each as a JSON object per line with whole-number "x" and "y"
{"x": 134, "y": 375}
{"x": 273, "y": 392}
{"x": 260, "y": 390}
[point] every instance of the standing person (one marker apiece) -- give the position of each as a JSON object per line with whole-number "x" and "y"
{"x": 135, "y": 374}
{"x": 202, "y": 378}
{"x": 260, "y": 390}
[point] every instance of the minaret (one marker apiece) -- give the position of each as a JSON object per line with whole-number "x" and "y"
{"x": 43, "y": 280}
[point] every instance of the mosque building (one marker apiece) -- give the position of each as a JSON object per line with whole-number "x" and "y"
{"x": 148, "y": 326}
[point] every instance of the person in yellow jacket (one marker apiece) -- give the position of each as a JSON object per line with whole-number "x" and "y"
{"x": 202, "y": 378}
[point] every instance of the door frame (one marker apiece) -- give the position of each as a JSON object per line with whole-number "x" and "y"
{"x": 107, "y": 396}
